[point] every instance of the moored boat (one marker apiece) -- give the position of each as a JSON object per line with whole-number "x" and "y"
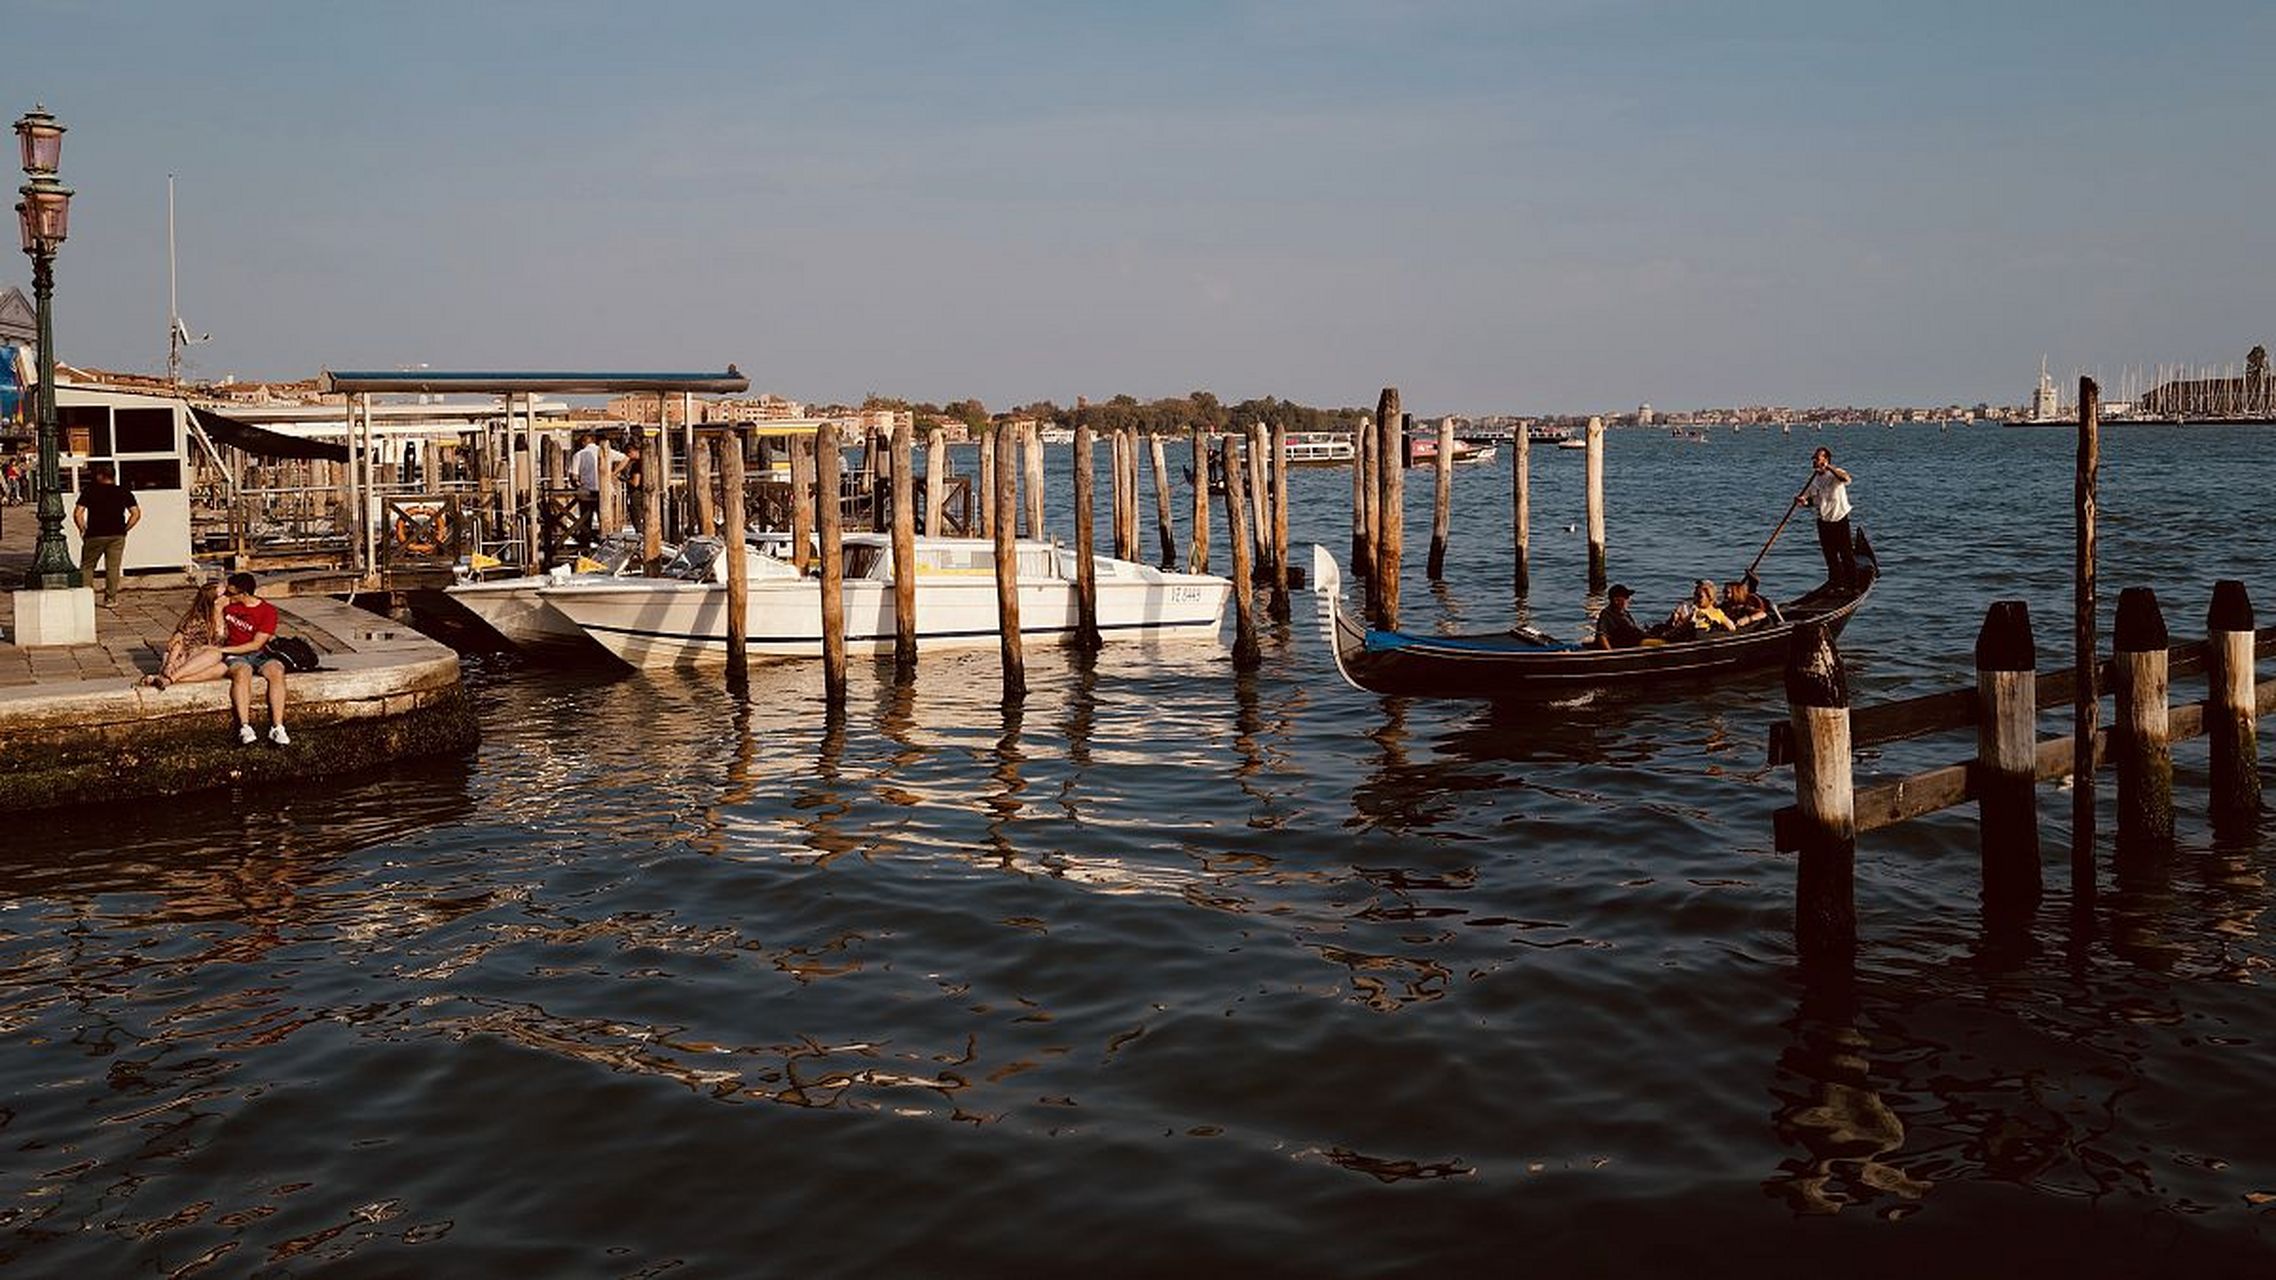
{"x": 658, "y": 622}
{"x": 1530, "y": 664}
{"x": 1320, "y": 449}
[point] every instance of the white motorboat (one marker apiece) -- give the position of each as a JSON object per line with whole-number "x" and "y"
{"x": 511, "y": 608}
{"x": 665, "y": 622}
{"x": 1320, "y": 449}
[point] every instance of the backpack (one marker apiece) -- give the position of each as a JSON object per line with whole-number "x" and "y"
{"x": 295, "y": 652}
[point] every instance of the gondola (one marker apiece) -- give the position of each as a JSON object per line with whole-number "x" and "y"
{"x": 1529, "y": 664}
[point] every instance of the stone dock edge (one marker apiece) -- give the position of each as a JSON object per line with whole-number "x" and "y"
{"x": 384, "y": 693}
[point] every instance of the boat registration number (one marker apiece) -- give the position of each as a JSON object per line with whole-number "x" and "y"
{"x": 1188, "y": 595}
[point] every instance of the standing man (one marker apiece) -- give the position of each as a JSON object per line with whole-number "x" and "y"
{"x": 1828, "y": 493}
{"x": 248, "y": 623}
{"x": 585, "y": 474}
{"x": 104, "y": 514}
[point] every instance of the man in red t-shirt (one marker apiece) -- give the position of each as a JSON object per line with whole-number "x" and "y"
{"x": 248, "y": 623}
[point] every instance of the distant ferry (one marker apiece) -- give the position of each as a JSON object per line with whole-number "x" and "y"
{"x": 1320, "y": 449}
{"x": 1544, "y": 433}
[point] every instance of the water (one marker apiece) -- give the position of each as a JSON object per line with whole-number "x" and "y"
{"x": 1168, "y": 969}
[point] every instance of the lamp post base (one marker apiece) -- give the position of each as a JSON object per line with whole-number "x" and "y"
{"x": 54, "y": 616}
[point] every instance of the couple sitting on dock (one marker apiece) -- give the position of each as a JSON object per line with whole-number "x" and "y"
{"x": 1742, "y": 606}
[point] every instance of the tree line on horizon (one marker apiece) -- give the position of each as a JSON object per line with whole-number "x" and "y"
{"x": 1171, "y": 415}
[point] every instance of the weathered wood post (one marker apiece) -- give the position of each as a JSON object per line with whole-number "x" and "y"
{"x": 2142, "y": 743}
{"x": 699, "y": 479}
{"x": 987, "y": 482}
{"x": 1007, "y": 570}
{"x": 611, "y": 512}
{"x": 804, "y": 450}
{"x": 1237, "y": 531}
{"x": 1114, "y": 520}
{"x": 1031, "y": 455}
{"x": 1817, "y": 697}
{"x": 1260, "y": 497}
{"x": 936, "y": 478}
{"x": 732, "y": 444}
{"x": 1086, "y": 545}
{"x": 1162, "y": 523}
{"x": 2007, "y": 742}
{"x": 1197, "y": 557}
{"x": 652, "y": 481}
{"x": 1130, "y": 494}
{"x": 1442, "y": 500}
{"x": 2084, "y": 708}
{"x": 2230, "y": 720}
{"x": 1521, "y": 504}
{"x": 1595, "y": 479}
{"x": 903, "y": 463}
{"x": 1279, "y": 606}
{"x": 1391, "y": 502}
{"x": 1362, "y": 500}
{"x": 827, "y": 462}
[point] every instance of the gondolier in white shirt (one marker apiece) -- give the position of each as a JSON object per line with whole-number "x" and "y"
{"x": 1827, "y": 493}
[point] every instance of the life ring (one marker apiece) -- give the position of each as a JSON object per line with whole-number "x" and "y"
{"x": 422, "y": 531}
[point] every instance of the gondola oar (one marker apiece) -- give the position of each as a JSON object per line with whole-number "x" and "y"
{"x": 1791, "y": 508}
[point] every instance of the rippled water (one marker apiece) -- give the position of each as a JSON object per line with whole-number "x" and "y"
{"x": 1170, "y": 969}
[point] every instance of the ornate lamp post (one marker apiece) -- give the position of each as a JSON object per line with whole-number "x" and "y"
{"x": 44, "y": 218}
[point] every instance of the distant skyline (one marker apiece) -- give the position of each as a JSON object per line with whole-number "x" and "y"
{"x": 1498, "y": 206}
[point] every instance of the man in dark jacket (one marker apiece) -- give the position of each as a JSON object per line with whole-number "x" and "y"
{"x": 1615, "y": 628}
{"x": 104, "y": 513}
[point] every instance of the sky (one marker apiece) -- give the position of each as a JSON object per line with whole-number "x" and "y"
{"x": 1495, "y": 205}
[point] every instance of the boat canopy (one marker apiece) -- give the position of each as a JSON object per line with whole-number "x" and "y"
{"x": 515, "y": 383}
{"x": 262, "y": 442}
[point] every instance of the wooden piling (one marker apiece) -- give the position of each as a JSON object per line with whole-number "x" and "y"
{"x": 1162, "y": 523}
{"x": 1237, "y": 532}
{"x": 1595, "y": 479}
{"x": 1260, "y": 499}
{"x": 2007, "y": 741}
{"x": 652, "y": 479}
{"x": 611, "y": 513}
{"x": 1279, "y": 603}
{"x": 1817, "y": 696}
{"x": 2230, "y": 720}
{"x": 732, "y": 445}
{"x": 1390, "y": 501}
{"x": 1007, "y": 570}
{"x": 2084, "y": 708}
{"x": 1086, "y": 545}
{"x": 2141, "y": 745}
{"x": 1442, "y": 500}
{"x": 1114, "y": 500}
{"x": 903, "y": 464}
{"x": 1521, "y": 504}
{"x": 1130, "y": 495}
{"x": 1197, "y": 556}
{"x": 936, "y": 478}
{"x": 827, "y": 462}
{"x": 804, "y": 450}
{"x": 699, "y": 479}
{"x": 987, "y": 482}
{"x": 1031, "y": 458}
{"x": 1363, "y": 501}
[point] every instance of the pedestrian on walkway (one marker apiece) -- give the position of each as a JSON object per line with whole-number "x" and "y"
{"x": 105, "y": 513}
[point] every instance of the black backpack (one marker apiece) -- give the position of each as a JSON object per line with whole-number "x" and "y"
{"x": 293, "y": 651}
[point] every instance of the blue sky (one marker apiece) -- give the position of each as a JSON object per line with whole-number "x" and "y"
{"x": 1527, "y": 207}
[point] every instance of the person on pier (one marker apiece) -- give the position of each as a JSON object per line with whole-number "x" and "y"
{"x": 585, "y": 474}
{"x": 1828, "y": 494}
{"x": 193, "y": 652}
{"x": 249, "y": 623}
{"x": 1615, "y": 627}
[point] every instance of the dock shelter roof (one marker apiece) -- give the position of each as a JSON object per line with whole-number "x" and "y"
{"x": 263, "y": 443}
{"x": 430, "y": 381}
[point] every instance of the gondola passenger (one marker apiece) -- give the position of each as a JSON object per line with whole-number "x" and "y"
{"x": 1615, "y": 627}
{"x": 1698, "y": 616}
{"x": 1743, "y": 605}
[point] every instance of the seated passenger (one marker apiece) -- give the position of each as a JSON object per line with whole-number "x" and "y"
{"x": 1615, "y": 627}
{"x": 1697, "y": 616}
{"x": 1743, "y": 606}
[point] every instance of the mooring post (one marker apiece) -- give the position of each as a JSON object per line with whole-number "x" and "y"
{"x": 936, "y": 478}
{"x": 1362, "y": 501}
{"x": 904, "y": 548}
{"x": 1442, "y": 499}
{"x": 2230, "y": 721}
{"x": 2007, "y": 742}
{"x": 1197, "y": 558}
{"x": 1130, "y": 540}
{"x": 1086, "y": 545}
{"x": 1390, "y": 500}
{"x": 1260, "y": 497}
{"x": 1162, "y": 500}
{"x": 1007, "y": 571}
{"x": 987, "y": 482}
{"x": 699, "y": 479}
{"x": 2142, "y": 743}
{"x": 731, "y": 444}
{"x": 2084, "y": 702}
{"x": 1237, "y": 531}
{"x": 827, "y": 463}
{"x": 1817, "y": 695}
{"x": 652, "y": 480}
{"x": 1521, "y": 506}
{"x": 1114, "y": 521}
{"x": 1595, "y": 478}
{"x": 1031, "y": 455}
{"x": 611, "y": 513}
{"x": 1279, "y": 604}
{"x": 803, "y": 452}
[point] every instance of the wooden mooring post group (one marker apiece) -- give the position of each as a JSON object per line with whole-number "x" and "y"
{"x": 1822, "y": 733}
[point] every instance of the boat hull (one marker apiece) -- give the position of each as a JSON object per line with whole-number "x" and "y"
{"x": 512, "y": 608}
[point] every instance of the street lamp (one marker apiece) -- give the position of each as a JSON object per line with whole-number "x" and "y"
{"x": 44, "y": 218}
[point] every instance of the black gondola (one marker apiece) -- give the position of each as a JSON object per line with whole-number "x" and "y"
{"x": 1529, "y": 664}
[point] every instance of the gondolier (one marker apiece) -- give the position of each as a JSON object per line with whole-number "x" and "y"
{"x": 1828, "y": 494}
